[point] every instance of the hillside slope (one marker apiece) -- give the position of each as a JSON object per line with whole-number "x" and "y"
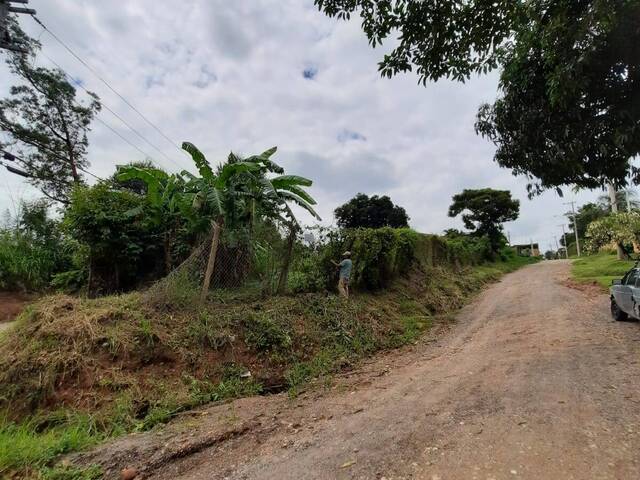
{"x": 107, "y": 366}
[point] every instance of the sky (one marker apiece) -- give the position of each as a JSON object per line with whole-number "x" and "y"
{"x": 250, "y": 74}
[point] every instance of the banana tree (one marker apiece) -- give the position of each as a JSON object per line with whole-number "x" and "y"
{"x": 219, "y": 196}
{"x": 273, "y": 196}
{"x": 166, "y": 195}
{"x": 290, "y": 189}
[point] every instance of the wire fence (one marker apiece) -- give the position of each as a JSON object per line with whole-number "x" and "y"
{"x": 243, "y": 266}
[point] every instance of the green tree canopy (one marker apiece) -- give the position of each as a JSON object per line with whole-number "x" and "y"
{"x": 448, "y": 38}
{"x": 569, "y": 111}
{"x": 587, "y": 213}
{"x": 484, "y": 211}
{"x": 46, "y": 125}
{"x": 363, "y": 211}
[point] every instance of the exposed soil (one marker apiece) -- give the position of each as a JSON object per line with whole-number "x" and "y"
{"x": 11, "y": 304}
{"x": 534, "y": 381}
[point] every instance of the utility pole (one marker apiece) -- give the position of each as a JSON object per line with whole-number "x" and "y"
{"x": 575, "y": 225}
{"x": 557, "y": 246}
{"x": 564, "y": 240}
{"x": 5, "y": 9}
{"x": 531, "y": 248}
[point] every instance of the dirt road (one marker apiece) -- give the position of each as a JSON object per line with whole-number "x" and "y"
{"x": 534, "y": 381}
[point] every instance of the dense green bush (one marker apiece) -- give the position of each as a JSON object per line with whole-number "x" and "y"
{"x": 124, "y": 245}
{"x": 467, "y": 249}
{"x": 379, "y": 255}
{"x": 32, "y": 249}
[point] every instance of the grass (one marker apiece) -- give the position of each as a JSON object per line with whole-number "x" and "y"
{"x": 601, "y": 268}
{"x": 30, "y": 446}
{"x": 119, "y": 364}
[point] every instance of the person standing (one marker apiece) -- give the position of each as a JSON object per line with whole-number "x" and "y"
{"x": 344, "y": 274}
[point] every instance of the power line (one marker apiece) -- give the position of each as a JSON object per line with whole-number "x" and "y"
{"x": 12, "y": 157}
{"x": 122, "y": 137}
{"x": 92, "y": 70}
{"x": 70, "y": 77}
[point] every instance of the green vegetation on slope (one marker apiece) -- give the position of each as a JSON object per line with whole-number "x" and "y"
{"x": 601, "y": 268}
{"x": 74, "y": 372}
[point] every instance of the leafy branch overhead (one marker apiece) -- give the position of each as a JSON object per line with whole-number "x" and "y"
{"x": 569, "y": 110}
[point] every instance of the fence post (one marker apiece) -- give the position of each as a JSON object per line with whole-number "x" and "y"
{"x": 217, "y": 226}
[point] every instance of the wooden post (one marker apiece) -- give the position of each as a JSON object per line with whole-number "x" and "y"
{"x": 211, "y": 263}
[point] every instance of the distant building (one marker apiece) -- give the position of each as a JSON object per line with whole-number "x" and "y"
{"x": 525, "y": 250}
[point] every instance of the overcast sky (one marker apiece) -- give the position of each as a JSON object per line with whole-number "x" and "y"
{"x": 250, "y": 74}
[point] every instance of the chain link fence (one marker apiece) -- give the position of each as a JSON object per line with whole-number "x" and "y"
{"x": 246, "y": 265}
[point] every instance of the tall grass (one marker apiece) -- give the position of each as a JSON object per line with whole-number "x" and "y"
{"x": 26, "y": 264}
{"x": 28, "y": 447}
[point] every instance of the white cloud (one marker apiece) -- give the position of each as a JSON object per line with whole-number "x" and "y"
{"x": 230, "y": 75}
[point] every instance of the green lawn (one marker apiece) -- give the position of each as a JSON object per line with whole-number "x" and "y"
{"x": 602, "y": 268}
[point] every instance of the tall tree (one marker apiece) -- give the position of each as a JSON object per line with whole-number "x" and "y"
{"x": 587, "y": 213}
{"x": 46, "y": 124}
{"x": 484, "y": 211}
{"x": 363, "y": 211}
{"x": 569, "y": 113}
{"x": 570, "y": 106}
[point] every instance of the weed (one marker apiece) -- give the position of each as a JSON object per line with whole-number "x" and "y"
{"x": 145, "y": 333}
{"x": 265, "y": 334}
{"x": 210, "y": 330}
{"x": 301, "y": 372}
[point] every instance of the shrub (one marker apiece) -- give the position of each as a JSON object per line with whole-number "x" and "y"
{"x": 378, "y": 255}
{"x": 264, "y": 334}
{"x": 124, "y": 245}
{"x": 33, "y": 249}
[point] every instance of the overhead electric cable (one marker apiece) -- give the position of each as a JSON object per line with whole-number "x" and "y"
{"x": 12, "y": 157}
{"x": 92, "y": 70}
{"x": 79, "y": 84}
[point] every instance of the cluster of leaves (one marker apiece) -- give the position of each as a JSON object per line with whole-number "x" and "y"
{"x": 618, "y": 228}
{"x": 467, "y": 249}
{"x": 568, "y": 111}
{"x": 371, "y": 212}
{"x": 484, "y": 211}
